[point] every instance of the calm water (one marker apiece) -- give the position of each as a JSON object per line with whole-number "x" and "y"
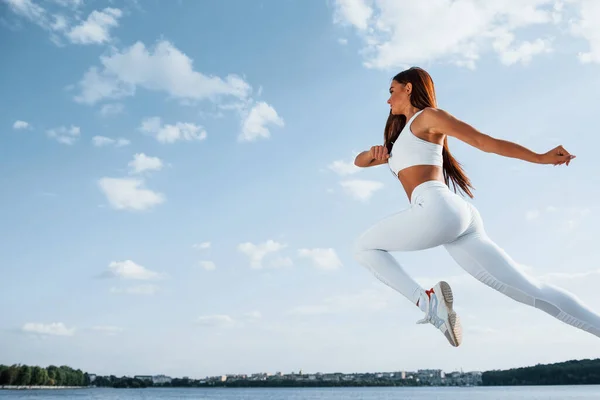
{"x": 485, "y": 393}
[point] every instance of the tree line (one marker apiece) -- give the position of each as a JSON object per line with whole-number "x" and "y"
{"x": 574, "y": 372}
{"x": 25, "y": 375}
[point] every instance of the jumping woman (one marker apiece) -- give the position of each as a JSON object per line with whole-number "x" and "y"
{"x": 416, "y": 150}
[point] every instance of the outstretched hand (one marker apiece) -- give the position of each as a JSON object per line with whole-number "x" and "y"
{"x": 557, "y": 156}
{"x": 379, "y": 153}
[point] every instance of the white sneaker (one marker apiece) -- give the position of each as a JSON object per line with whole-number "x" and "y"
{"x": 440, "y": 314}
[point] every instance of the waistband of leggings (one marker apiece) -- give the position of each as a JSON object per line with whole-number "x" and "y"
{"x": 420, "y": 189}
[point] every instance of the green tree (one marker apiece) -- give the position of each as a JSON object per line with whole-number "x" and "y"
{"x": 24, "y": 376}
{"x": 3, "y": 373}
{"x": 86, "y": 379}
{"x": 54, "y": 376}
{"x": 8, "y": 375}
{"x": 574, "y": 372}
{"x": 39, "y": 376}
{"x": 59, "y": 379}
{"x": 80, "y": 378}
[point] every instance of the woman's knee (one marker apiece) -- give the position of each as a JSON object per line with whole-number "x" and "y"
{"x": 359, "y": 247}
{"x": 362, "y": 248}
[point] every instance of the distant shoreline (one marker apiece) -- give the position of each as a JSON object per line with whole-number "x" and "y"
{"x": 572, "y": 372}
{"x": 35, "y": 387}
{"x": 6, "y": 387}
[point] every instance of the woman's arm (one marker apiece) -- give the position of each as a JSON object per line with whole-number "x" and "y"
{"x": 376, "y": 155}
{"x": 440, "y": 121}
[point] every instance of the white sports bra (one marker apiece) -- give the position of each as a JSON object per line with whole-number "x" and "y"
{"x": 409, "y": 150}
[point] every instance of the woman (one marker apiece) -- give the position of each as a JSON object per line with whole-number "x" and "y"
{"x": 416, "y": 150}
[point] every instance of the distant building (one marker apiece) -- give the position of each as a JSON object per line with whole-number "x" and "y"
{"x": 161, "y": 379}
{"x": 430, "y": 373}
{"x": 143, "y": 377}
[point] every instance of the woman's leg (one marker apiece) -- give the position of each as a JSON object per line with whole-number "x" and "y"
{"x": 402, "y": 231}
{"x": 486, "y": 261}
{"x": 424, "y": 225}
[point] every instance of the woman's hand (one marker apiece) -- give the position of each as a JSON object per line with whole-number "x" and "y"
{"x": 379, "y": 153}
{"x": 556, "y": 156}
{"x": 376, "y": 155}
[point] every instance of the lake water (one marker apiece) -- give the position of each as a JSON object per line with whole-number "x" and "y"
{"x": 591, "y": 392}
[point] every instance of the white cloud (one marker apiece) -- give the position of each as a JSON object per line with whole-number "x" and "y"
{"x": 326, "y": 259}
{"x": 256, "y": 252}
{"x": 144, "y": 290}
{"x": 207, "y": 265}
{"x": 130, "y": 270}
{"x": 122, "y": 142}
{"x": 361, "y": 189}
{"x": 69, "y": 3}
{"x": 523, "y": 53}
{"x": 112, "y": 109}
{"x": 163, "y": 68}
{"x": 215, "y": 320}
{"x": 254, "y": 126}
{"x": 65, "y": 135}
{"x": 60, "y": 24}
{"x": 458, "y": 31}
{"x": 53, "y": 329}
{"x": 96, "y": 86}
{"x": 142, "y": 163}
{"x": 202, "y": 246}
{"x": 353, "y": 12}
{"x": 21, "y": 125}
{"x": 129, "y": 194}
{"x": 100, "y": 141}
{"x": 108, "y": 330}
{"x": 343, "y": 168}
{"x": 29, "y": 10}
{"x": 253, "y": 314}
{"x": 533, "y": 214}
{"x": 588, "y": 27}
{"x": 168, "y": 133}
{"x": 96, "y": 29}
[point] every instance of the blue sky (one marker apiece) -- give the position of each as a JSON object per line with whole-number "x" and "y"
{"x": 178, "y": 194}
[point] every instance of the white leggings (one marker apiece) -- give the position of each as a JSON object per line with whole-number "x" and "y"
{"x": 438, "y": 216}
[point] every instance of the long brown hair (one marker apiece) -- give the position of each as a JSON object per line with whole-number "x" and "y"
{"x": 422, "y": 96}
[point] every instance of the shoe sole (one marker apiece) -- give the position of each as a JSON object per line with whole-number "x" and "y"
{"x": 454, "y": 333}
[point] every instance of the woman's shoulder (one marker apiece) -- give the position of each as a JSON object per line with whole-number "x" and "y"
{"x": 434, "y": 115}
{"x": 432, "y": 111}
{"x": 433, "y": 119}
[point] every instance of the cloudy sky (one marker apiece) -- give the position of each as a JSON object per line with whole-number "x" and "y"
{"x": 178, "y": 194}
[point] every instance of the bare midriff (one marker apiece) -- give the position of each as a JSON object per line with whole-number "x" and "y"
{"x": 412, "y": 177}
